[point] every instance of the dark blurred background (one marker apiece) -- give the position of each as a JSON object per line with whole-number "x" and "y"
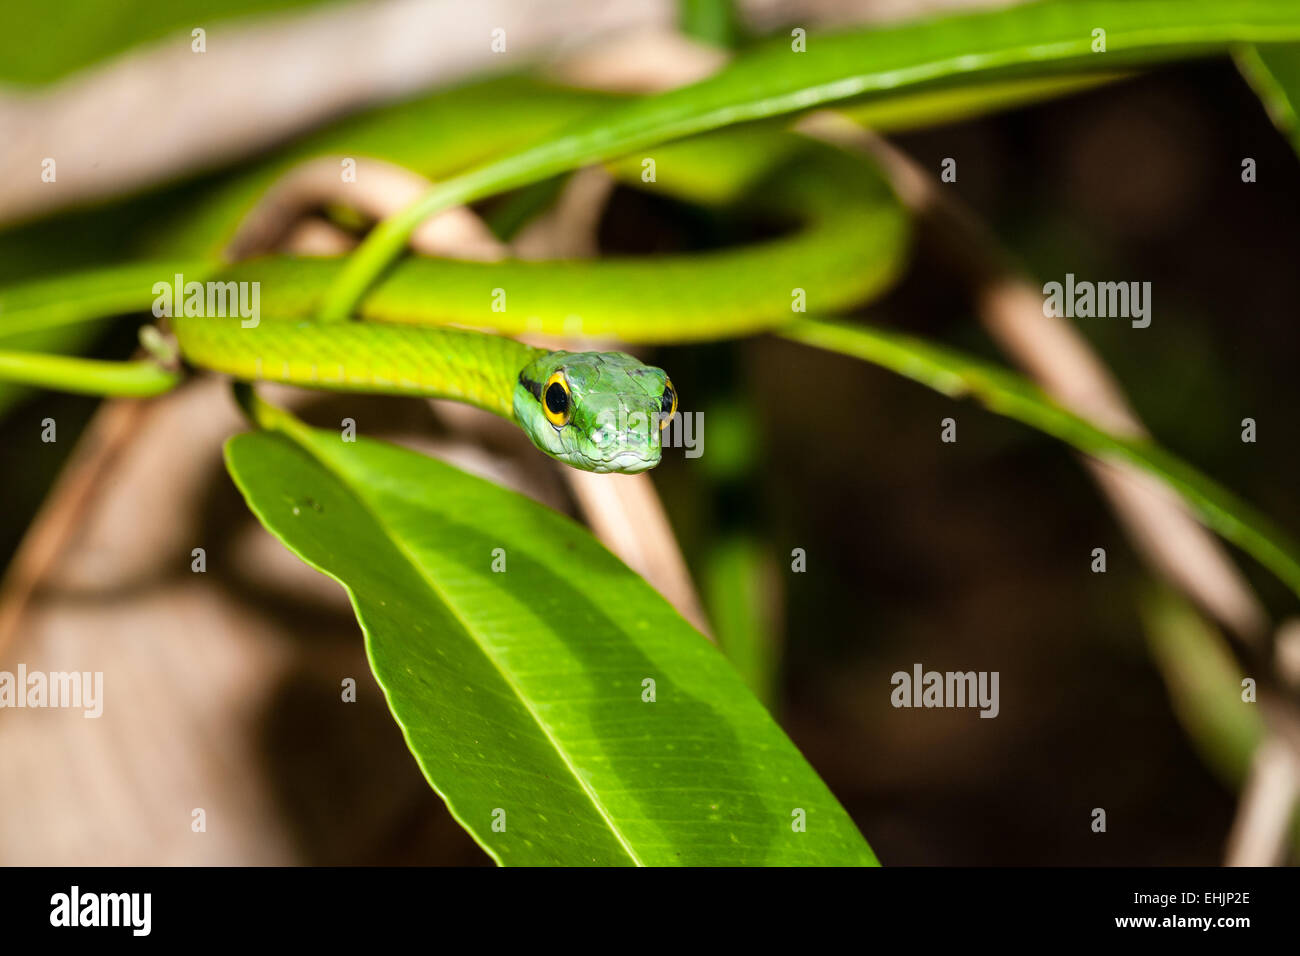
{"x": 973, "y": 555}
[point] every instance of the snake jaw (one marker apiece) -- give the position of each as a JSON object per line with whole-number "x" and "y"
{"x": 626, "y": 463}
{"x": 612, "y": 424}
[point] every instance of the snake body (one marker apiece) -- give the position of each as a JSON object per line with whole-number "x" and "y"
{"x": 436, "y": 327}
{"x": 483, "y": 138}
{"x": 470, "y": 367}
{"x": 841, "y": 230}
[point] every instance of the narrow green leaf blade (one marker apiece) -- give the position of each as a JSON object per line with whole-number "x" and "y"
{"x": 522, "y": 691}
{"x": 1273, "y": 72}
{"x": 1032, "y": 39}
{"x": 1006, "y": 393}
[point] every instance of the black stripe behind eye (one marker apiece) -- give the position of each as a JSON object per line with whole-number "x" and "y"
{"x": 534, "y": 387}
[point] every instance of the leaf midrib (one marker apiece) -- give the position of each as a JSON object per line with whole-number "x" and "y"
{"x": 460, "y": 619}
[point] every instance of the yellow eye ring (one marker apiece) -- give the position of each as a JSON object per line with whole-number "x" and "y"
{"x": 667, "y": 404}
{"x": 557, "y": 402}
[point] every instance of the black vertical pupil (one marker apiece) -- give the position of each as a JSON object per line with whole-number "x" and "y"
{"x": 666, "y": 403}
{"x": 557, "y": 399}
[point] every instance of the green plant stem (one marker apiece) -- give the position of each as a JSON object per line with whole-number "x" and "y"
{"x": 138, "y": 379}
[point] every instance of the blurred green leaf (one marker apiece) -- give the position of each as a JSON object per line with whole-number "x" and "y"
{"x": 29, "y": 307}
{"x": 1274, "y": 73}
{"x": 1204, "y": 682}
{"x": 923, "y": 108}
{"x": 709, "y": 21}
{"x": 740, "y": 591}
{"x": 41, "y": 42}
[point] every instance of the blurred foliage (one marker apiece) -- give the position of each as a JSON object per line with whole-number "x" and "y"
{"x": 1204, "y": 681}
{"x": 972, "y": 552}
{"x": 710, "y": 21}
{"x": 43, "y": 42}
{"x": 1274, "y": 72}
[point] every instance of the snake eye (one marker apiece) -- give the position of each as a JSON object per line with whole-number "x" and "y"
{"x": 556, "y": 402}
{"x": 667, "y": 405}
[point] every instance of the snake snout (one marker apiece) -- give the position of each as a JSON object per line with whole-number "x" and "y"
{"x": 627, "y": 444}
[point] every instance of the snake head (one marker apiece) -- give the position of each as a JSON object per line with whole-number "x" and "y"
{"x": 598, "y": 411}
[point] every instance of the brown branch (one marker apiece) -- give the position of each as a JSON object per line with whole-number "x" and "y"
{"x": 83, "y": 479}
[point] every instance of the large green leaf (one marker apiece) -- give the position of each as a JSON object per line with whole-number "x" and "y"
{"x": 522, "y": 690}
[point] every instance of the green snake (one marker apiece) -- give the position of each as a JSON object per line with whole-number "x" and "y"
{"x": 836, "y": 231}
{"x": 596, "y": 411}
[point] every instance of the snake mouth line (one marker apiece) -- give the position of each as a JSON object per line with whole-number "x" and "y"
{"x": 627, "y": 463}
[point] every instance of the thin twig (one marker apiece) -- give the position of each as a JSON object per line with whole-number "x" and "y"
{"x": 1262, "y": 829}
{"x": 112, "y": 428}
